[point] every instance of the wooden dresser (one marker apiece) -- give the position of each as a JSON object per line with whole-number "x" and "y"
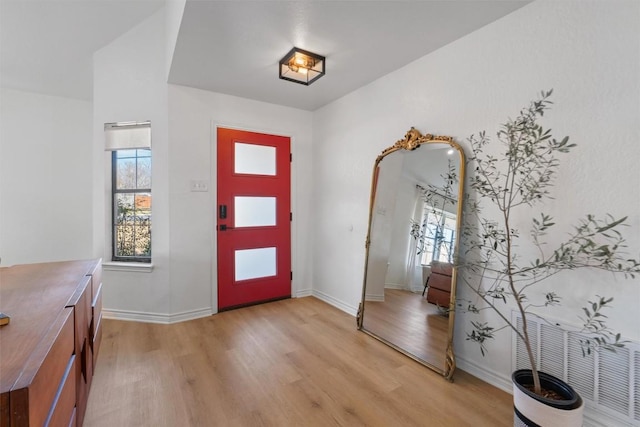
{"x": 439, "y": 284}
{"x": 48, "y": 351}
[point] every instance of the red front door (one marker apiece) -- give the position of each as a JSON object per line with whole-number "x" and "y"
{"x": 253, "y": 211}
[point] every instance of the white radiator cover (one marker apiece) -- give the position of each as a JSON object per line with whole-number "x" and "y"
{"x": 608, "y": 382}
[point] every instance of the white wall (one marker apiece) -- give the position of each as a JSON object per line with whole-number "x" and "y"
{"x": 130, "y": 85}
{"x": 400, "y": 239}
{"x": 193, "y": 117}
{"x": 45, "y": 178}
{"x": 173, "y": 15}
{"x": 588, "y": 52}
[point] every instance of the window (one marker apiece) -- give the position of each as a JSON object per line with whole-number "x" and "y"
{"x": 438, "y": 234}
{"x": 131, "y": 205}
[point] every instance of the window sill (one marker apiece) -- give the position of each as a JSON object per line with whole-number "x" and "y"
{"x": 136, "y": 267}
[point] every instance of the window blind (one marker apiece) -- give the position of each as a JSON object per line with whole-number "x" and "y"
{"x": 127, "y": 135}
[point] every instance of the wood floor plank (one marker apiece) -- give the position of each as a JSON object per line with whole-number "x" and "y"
{"x": 297, "y": 362}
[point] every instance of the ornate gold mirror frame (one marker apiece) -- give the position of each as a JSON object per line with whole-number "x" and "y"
{"x": 412, "y": 141}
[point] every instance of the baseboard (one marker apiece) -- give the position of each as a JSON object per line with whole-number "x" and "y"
{"x": 138, "y": 316}
{"x": 401, "y": 287}
{"x": 486, "y": 375}
{"x": 335, "y": 302}
{"x": 303, "y": 293}
{"x": 374, "y": 297}
{"x": 596, "y": 418}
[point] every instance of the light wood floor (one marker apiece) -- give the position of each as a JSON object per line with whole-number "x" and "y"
{"x": 407, "y": 320}
{"x": 297, "y": 362}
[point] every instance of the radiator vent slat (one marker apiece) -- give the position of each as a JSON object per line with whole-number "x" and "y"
{"x": 552, "y": 359}
{"x": 608, "y": 382}
{"x": 636, "y": 385}
{"x": 614, "y": 380}
{"x": 581, "y": 373}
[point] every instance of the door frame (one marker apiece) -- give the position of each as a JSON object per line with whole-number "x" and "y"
{"x": 213, "y": 132}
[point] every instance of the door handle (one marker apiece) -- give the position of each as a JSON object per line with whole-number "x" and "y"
{"x": 222, "y": 212}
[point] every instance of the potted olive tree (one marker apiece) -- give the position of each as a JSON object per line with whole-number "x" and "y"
{"x": 501, "y": 280}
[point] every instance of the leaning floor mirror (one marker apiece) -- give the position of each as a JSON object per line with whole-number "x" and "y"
{"x": 409, "y": 290}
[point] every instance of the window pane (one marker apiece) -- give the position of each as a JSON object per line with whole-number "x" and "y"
{"x": 254, "y": 159}
{"x": 144, "y": 172}
{"x": 254, "y": 211}
{"x": 142, "y": 224}
{"x": 142, "y": 236}
{"x": 143, "y": 152}
{"x": 124, "y": 208}
{"x": 126, "y": 174}
{"x": 143, "y": 204}
{"x": 124, "y": 242}
{"x": 132, "y": 231}
{"x": 125, "y": 153}
{"x": 255, "y": 263}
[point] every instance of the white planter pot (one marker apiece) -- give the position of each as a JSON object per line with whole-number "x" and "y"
{"x": 531, "y": 410}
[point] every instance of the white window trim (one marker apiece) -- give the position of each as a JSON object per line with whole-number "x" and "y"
{"x": 121, "y": 135}
{"x": 136, "y": 267}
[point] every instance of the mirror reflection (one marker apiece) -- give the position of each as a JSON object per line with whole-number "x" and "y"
{"x": 414, "y": 225}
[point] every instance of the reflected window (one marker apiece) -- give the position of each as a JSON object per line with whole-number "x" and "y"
{"x": 437, "y": 235}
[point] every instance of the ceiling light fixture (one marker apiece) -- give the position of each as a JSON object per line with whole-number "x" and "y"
{"x": 301, "y": 66}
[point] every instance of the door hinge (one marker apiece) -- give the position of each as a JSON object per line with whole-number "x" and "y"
{"x": 290, "y": 216}
{"x": 290, "y": 157}
{"x": 292, "y": 275}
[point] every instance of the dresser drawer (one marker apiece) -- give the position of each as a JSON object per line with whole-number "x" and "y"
{"x": 96, "y": 279}
{"x": 97, "y": 339}
{"x": 84, "y": 354}
{"x": 438, "y": 297}
{"x": 96, "y": 311}
{"x": 38, "y": 398}
{"x": 96, "y": 325}
{"x": 64, "y": 404}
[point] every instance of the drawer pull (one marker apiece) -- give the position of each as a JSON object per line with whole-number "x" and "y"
{"x": 83, "y": 360}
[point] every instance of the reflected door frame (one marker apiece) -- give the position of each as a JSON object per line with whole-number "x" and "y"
{"x": 246, "y": 238}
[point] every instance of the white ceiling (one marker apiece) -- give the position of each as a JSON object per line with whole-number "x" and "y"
{"x": 233, "y": 47}
{"x": 46, "y": 46}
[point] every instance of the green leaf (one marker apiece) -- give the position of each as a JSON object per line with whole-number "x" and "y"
{"x": 611, "y": 225}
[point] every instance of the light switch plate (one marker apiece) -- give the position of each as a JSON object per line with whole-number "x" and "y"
{"x": 199, "y": 185}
